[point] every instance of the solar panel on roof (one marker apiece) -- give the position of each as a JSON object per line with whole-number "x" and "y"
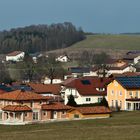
{"x": 130, "y": 82}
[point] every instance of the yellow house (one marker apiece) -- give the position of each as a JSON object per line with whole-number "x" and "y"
{"x": 89, "y": 112}
{"x": 124, "y": 92}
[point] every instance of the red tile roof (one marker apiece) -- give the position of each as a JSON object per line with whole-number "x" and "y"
{"x": 48, "y": 88}
{"x": 90, "y": 89}
{"x": 93, "y": 110}
{"x": 127, "y": 74}
{"x": 20, "y": 95}
{"x": 16, "y": 108}
{"x": 14, "y": 53}
{"x": 56, "y": 106}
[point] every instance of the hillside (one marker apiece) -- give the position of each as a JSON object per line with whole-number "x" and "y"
{"x": 121, "y": 42}
{"x": 111, "y": 44}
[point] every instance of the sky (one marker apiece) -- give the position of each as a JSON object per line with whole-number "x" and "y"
{"x": 97, "y": 16}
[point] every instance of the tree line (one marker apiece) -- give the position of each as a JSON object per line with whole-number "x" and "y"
{"x": 37, "y": 38}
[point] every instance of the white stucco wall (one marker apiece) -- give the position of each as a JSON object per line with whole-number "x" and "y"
{"x": 16, "y": 58}
{"x": 79, "y": 98}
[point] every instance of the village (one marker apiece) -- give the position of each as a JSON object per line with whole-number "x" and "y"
{"x": 83, "y": 93}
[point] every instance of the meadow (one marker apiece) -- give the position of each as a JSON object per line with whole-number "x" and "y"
{"x": 118, "y": 42}
{"x": 121, "y": 126}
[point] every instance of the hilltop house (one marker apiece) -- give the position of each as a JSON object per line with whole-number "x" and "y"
{"x": 118, "y": 68}
{"x": 15, "y": 56}
{"x": 124, "y": 93}
{"x": 78, "y": 72}
{"x": 86, "y": 90}
{"x": 63, "y": 58}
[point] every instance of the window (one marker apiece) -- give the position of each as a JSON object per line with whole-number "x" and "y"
{"x": 99, "y": 100}
{"x": 31, "y": 104}
{"x": 112, "y": 92}
{"x": 120, "y": 104}
{"x": 130, "y": 93}
{"x": 120, "y": 93}
{"x": 101, "y": 89}
{"x": 63, "y": 112}
{"x": 116, "y": 103}
{"x": 45, "y": 113}
{"x": 128, "y": 106}
{"x": 35, "y": 116}
{"x": 112, "y": 103}
{"x": 76, "y": 115}
{"x": 88, "y": 99}
{"x": 26, "y": 114}
{"x": 137, "y": 94}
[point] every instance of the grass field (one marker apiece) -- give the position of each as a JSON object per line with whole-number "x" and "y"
{"x": 123, "y": 42}
{"x": 122, "y": 126}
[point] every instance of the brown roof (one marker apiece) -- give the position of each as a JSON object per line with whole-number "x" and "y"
{"x": 119, "y": 68}
{"x": 56, "y": 106}
{"x": 16, "y": 108}
{"x": 93, "y": 110}
{"x": 14, "y": 53}
{"x": 48, "y": 88}
{"x": 20, "y": 95}
{"x": 126, "y": 74}
{"x": 89, "y": 89}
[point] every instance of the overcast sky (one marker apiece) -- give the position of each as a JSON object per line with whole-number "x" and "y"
{"x": 108, "y": 16}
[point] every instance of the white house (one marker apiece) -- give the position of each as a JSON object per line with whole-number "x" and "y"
{"x": 137, "y": 59}
{"x": 86, "y": 90}
{"x": 115, "y": 70}
{"x": 54, "y": 81}
{"x": 15, "y": 56}
{"x": 63, "y": 58}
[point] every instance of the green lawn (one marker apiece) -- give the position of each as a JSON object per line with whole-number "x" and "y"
{"x": 122, "y": 126}
{"x": 123, "y": 42}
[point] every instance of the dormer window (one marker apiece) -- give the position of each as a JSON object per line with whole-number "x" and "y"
{"x": 100, "y": 89}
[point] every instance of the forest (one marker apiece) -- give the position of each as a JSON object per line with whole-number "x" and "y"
{"x": 38, "y": 38}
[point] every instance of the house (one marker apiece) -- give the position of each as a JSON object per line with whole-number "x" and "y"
{"x": 118, "y": 68}
{"x": 54, "y": 81}
{"x": 55, "y": 110}
{"x": 89, "y": 112}
{"x": 122, "y": 69}
{"x": 15, "y": 56}
{"x": 137, "y": 59}
{"x": 132, "y": 57}
{"x": 63, "y": 58}
{"x": 36, "y": 56}
{"x": 46, "y": 90}
{"x": 86, "y": 90}
{"x": 124, "y": 93}
{"x": 78, "y": 72}
{"x": 21, "y": 107}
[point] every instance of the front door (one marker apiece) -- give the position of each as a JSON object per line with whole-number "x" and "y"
{"x": 54, "y": 114}
{"x": 35, "y": 116}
